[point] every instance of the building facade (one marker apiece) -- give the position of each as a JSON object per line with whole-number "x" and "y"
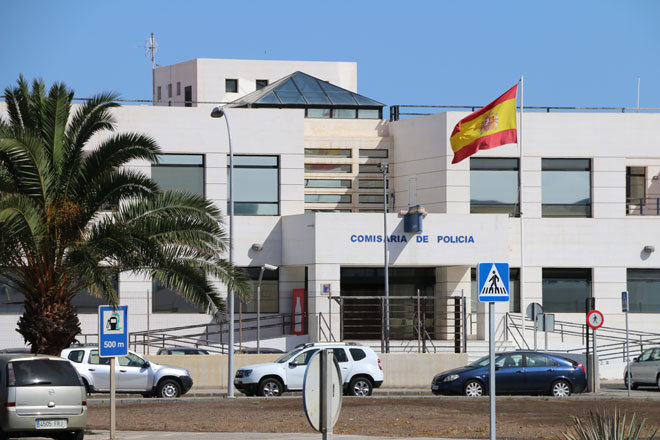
{"x": 309, "y": 198}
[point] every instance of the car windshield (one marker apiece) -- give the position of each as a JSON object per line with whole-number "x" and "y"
{"x": 288, "y": 356}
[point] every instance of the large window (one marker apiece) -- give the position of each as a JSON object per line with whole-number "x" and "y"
{"x": 328, "y": 152}
{"x": 327, "y": 168}
{"x": 256, "y": 185}
{"x": 494, "y": 186}
{"x": 327, "y": 198}
{"x": 327, "y": 183}
{"x": 166, "y": 300}
{"x": 644, "y": 290}
{"x": 179, "y": 172}
{"x": 566, "y": 187}
{"x": 270, "y": 292}
{"x": 566, "y": 290}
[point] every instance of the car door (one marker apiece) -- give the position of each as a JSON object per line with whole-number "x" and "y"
{"x": 509, "y": 374}
{"x": 295, "y": 369}
{"x": 345, "y": 365}
{"x": 99, "y": 368}
{"x": 133, "y": 373}
{"x": 540, "y": 372}
{"x": 643, "y": 370}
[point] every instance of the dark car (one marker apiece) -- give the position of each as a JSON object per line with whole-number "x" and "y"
{"x": 515, "y": 373}
{"x": 181, "y": 350}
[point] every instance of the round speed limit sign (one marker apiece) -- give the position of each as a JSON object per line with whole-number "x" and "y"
{"x": 595, "y": 319}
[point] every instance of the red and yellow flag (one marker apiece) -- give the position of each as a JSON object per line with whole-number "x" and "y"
{"x": 489, "y": 127}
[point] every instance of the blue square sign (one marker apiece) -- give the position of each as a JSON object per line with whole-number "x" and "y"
{"x": 493, "y": 282}
{"x": 113, "y": 331}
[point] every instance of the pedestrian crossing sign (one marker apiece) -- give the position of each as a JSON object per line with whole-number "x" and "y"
{"x": 493, "y": 282}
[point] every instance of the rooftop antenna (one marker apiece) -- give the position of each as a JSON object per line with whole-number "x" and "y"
{"x": 151, "y": 49}
{"x": 638, "y": 83}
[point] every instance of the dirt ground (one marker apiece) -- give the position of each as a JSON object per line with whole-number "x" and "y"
{"x": 517, "y": 418}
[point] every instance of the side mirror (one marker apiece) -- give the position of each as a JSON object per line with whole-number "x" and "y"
{"x": 497, "y": 367}
{"x": 146, "y": 364}
{"x": 292, "y": 364}
{"x": 635, "y": 359}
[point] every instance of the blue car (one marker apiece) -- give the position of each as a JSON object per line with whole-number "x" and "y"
{"x": 520, "y": 372}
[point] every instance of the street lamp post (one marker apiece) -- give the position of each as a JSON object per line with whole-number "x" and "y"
{"x": 219, "y": 112}
{"x": 383, "y": 167}
{"x": 261, "y": 274}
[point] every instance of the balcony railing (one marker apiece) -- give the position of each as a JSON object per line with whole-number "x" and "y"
{"x": 643, "y": 206}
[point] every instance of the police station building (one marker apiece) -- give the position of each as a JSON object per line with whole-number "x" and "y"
{"x": 310, "y": 187}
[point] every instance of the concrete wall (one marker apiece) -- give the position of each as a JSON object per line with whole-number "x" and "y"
{"x": 401, "y": 370}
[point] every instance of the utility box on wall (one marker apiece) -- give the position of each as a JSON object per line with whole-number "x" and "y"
{"x": 412, "y": 219}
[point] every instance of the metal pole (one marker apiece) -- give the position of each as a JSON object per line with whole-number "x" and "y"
{"x": 261, "y": 274}
{"x": 627, "y": 352}
{"x": 465, "y": 327}
{"x": 148, "y": 328}
{"x": 112, "y": 398}
{"x": 545, "y": 330}
{"x": 383, "y": 166}
{"x": 326, "y": 393}
{"x": 596, "y": 373}
{"x": 419, "y": 325}
{"x": 491, "y": 366}
{"x": 536, "y": 321}
{"x": 520, "y": 201}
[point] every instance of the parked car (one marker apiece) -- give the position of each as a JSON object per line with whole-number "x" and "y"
{"x": 262, "y": 350}
{"x": 15, "y": 350}
{"x": 645, "y": 369}
{"x": 41, "y": 396}
{"x": 134, "y": 374}
{"x": 515, "y": 373}
{"x": 182, "y": 350}
{"x": 360, "y": 368}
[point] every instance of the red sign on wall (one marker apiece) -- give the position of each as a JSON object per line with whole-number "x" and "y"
{"x": 298, "y": 321}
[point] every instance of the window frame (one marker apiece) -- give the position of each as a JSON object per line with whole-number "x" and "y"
{"x": 279, "y": 180}
{"x": 231, "y": 83}
{"x": 547, "y": 208}
{"x": 184, "y": 165}
{"x": 549, "y": 274}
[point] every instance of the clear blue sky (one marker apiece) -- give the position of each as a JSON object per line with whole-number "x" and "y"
{"x": 572, "y": 53}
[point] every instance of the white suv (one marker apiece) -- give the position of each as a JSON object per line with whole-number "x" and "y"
{"x": 360, "y": 369}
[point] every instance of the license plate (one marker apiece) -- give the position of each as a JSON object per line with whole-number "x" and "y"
{"x": 51, "y": 424}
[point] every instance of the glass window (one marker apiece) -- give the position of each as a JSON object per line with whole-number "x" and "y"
{"x": 371, "y": 198}
{"x": 514, "y": 291}
{"x": 340, "y": 354}
{"x": 327, "y": 183}
{"x": 178, "y": 88}
{"x": 326, "y": 210}
{"x": 166, "y": 300}
{"x": 344, "y": 113}
{"x": 231, "y": 85}
{"x": 646, "y": 356}
{"x": 510, "y": 361}
{"x": 304, "y": 357}
{"x": 51, "y": 372}
{"x": 494, "y": 186}
{"x": 327, "y": 168}
{"x": 365, "y": 113}
{"x": 357, "y": 354}
{"x": 76, "y": 356}
{"x": 364, "y": 168}
{"x": 131, "y": 360}
{"x": 323, "y": 113}
{"x": 187, "y": 90}
{"x": 539, "y": 360}
{"x": 636, "y": 192}
{"x": 158, "y": 93}
{"x": 179, "y": 172}
{"x": 270, "y": 292}
{"x": 370, "y": 183}
{"x": 380, "y": 153}
{"x": 256, "y": 190}
{"x": 566, "y": 290}
{"x": 644, "y": 290}
{"x": 566, "y": 187}
{"x": 169, "y": 90}
{"x": 327, "y": 152}
{"x": 261, "y": 83}
{"x": 96, "y": 360}
{"x": 327, "y": 198}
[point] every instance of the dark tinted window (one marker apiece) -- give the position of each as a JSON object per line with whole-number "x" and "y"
{"x": 340, "y": 354}
{"x": 539, "y": 360}
{"x": 96, "y": 360}
{"x": 77, "y": 356}
{"x": 357, "y": 354}
{"x": 42, "y": 372}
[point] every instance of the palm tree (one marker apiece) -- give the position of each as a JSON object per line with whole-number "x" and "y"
{"x": 57, "y": 235}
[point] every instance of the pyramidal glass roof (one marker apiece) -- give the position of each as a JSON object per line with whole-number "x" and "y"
{"x": 302, "y": 90}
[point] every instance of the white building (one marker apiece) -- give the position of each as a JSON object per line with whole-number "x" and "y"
{"x": 309, "y": 199}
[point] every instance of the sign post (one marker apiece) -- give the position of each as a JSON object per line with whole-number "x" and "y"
{"x": 113, "y": 342}
{"x": 624, "y": 309}
{"x": 493, "y": 287}
{"x": 595, "y": 321}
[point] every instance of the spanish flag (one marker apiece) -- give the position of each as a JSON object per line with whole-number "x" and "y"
{"x": 489, "y": 127}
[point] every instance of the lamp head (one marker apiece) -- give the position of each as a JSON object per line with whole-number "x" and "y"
{"x": 217, "y": 112}
{"x": 382, "y": 166}
{"x": 269, "y": 267}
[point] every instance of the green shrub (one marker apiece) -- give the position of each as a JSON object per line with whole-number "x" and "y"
{"x": 609, "y": 427}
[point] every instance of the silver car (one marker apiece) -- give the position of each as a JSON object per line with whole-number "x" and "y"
{"x": 133, "y": 374}
{"x": 41, "y": 396}
{"x": 645, "y": 369}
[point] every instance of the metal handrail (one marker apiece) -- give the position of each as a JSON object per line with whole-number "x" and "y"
{"x": 643, "y": 204}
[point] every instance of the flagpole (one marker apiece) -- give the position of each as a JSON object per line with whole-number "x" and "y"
{"x": 522, "y": 236}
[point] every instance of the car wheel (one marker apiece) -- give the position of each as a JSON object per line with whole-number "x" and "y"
{"x": 360, "y": 386}
{"x": 270, "y": 387}
{"x": 87, "y": 388}
{"x": 169, "y": 388}
{"x": 658, "y": 381}
{"x": 3, "y": 435}
{"x": 633, "y": 385}
{"x": 561, "y": 388}
{"x": 473, "y": 388}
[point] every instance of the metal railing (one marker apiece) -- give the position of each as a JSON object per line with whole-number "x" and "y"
{"x": 612, "y": 340}
{"x": 643, "y": 206}
{"x": 421, "y": 319}
{"x": 423, "y": 110}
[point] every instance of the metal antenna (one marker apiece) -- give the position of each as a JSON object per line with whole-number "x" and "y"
{"x": 151, "y": 49}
